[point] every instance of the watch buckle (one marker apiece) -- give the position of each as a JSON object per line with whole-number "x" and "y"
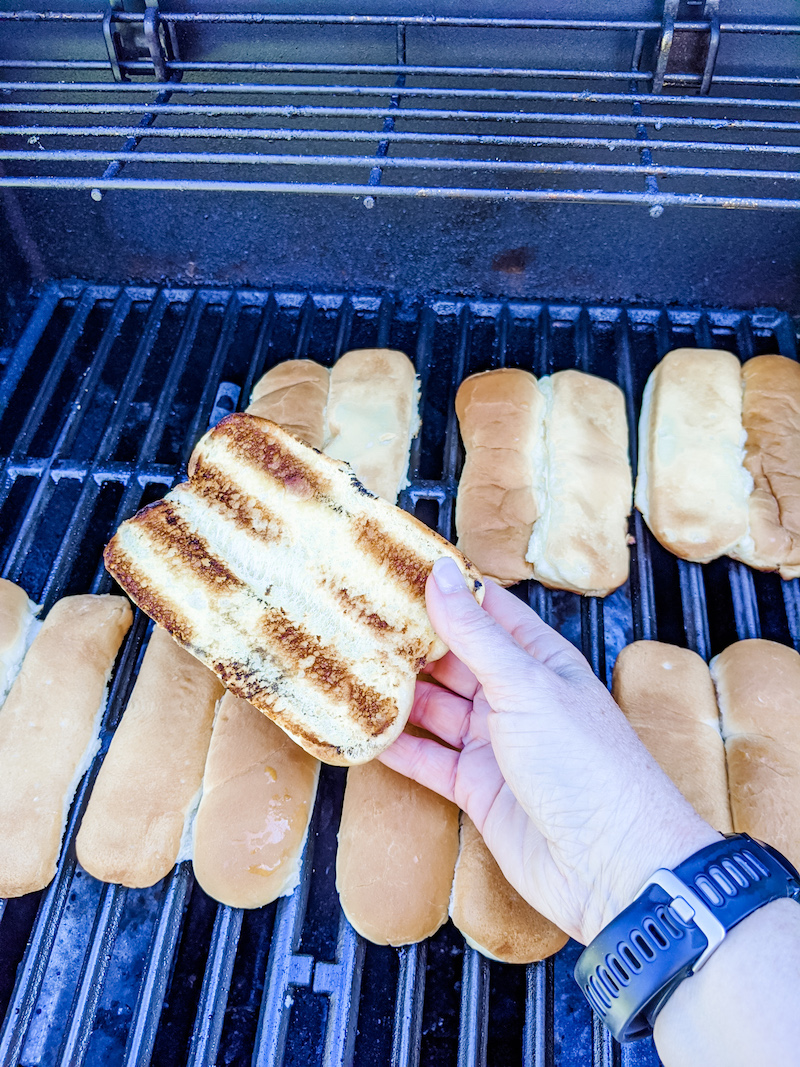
{"x": 684, "y": 900}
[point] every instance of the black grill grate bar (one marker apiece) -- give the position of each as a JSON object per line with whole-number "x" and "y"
{"x": 791, "y": 599}
{"x": 30, "y": 974}
{"x": 342, "y": 982}
{"x": 83, "y": 1009}
{"x": 301, "y": 89}
{"x": 693, "y": 601}
{"x": 300, "y": 134}
{"x": 536, "y": 1045}
{"x": 255, "y": 367}
{"x": 216, "y": 986}
{"x": 31, "y": 335}
{"x": 150, "y": 1001}
{"x": 473, "y": 1030}
{"x": 407, "y": 1031}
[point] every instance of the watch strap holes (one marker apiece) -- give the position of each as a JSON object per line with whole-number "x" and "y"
{"x": 736, "y": 873}
{"x": 670, "y": 921}
{"x": 708, "y": 891}
{"x": 757, "y": 865}
{"x": 630, "y": 957}
{"x": 644, "y": 946}
{"x": 722, "y": 880}
{"x": 656, "y": 934}
{"x": 618, "y": 971}
{"x": 608, "y": 982}
{"x": 601, "y": 996}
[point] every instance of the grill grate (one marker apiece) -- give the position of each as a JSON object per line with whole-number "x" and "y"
{"x": 102, "y": 399}
{"x": 396, "y": 106}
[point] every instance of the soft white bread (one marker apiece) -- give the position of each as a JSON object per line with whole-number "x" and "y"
{"x": 758, "y": 690}
{"x": 771, "y": 419}
{"x": 49, "y": 728}
{"x": 303, "y": 592}
{"x": 500, "y": 415}
{"x": 398, "y": 844}
{"x": 668, "y": 697}
{"x": 17, "y": 622}
{"x": 580, "y": 539}
{"x": 258, "y": 795}
{"x": 294, "y": 394}
{"x": 490, "y": 913}
{"x": 373, "y": 415}
{"x": 133, "y": 825}
{"x": 692, "y": 487}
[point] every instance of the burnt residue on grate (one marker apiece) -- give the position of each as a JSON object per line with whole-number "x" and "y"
{"x": 101, "y": 400}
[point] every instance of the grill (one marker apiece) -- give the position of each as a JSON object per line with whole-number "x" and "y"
{"x": 103, "y": 393}
{"x": 686, "y": 109}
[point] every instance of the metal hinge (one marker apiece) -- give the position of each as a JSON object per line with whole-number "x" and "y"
{"x": 693, "y": 10}
{"x": 130, "y": 41}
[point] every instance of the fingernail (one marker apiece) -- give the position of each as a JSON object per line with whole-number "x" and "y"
{"x": 447, "y": 576}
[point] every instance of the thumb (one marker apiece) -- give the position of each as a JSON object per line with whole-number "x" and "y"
{"x": 493, "y": 656}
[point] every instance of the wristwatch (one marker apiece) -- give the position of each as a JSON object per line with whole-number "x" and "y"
{"x": 677, "y": 921}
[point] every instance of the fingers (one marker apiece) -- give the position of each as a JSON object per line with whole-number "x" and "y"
{"x": 472, "y": 634}
{"x": 531, "y": 632}
{"x": 450, "y": 671}
{"x": 441, "y": 713}
{"x": 427, "y": 762}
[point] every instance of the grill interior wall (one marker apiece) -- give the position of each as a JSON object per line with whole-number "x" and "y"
{"x": 101, "y": 400}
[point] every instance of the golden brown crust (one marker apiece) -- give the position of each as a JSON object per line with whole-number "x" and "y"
{"x": 258, "y": 794}
{"x": 692, "y": 488}
{"x": 131, "y": 831}
{"x": 48, "y": 731}
{"x": 668, "y": 697}
{"x": 294, "y": 394}
{"x": 758, "y": 689}
{"x": 771, "y": 418}
{"x": 302, "y": 591}
{"x": 490, "y": 913}
{"x": 398, "y": 844}
{"x": 498, "y": 413}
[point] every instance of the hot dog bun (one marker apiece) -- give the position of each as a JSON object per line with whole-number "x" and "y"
{"x": 17, "y": 625}
{"x": 294, "y": 394}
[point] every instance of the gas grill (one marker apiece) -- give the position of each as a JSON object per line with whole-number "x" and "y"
{"x": 517, "y": 190}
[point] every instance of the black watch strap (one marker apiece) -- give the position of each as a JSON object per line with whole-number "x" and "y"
{"x": 636, "y": 962}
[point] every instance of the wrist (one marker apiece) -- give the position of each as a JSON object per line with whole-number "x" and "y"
{"x": 639, "y": 856}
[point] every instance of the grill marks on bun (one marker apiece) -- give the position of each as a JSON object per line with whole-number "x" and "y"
{"x": 303, "y": 592}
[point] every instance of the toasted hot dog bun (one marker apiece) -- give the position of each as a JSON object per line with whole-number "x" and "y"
{"x": 258, "y": 795}
{"x": 758, "y": 690}
{"x": 398, "y": 844}
{"x": 692, "y": 488}
{"x": 500, "y": 415}
{"x": 17, "y": 626}
{"x": 771, "y": 420}
{"x": 491, "y": 915}
{"x": 294, "y": 394}
{"x": 136, "y": 816}
{"x": 373, "y": 415}
{"x": 304, "y": 593}
{"x": 49, "y": 730}
{"x": 580, "y": 539}
{"x": 668, "y": 697}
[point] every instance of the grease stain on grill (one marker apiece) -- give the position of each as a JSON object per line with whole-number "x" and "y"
{"x": 514, "y": 260}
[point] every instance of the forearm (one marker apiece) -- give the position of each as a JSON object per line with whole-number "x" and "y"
{"x": 741, "y": 1008}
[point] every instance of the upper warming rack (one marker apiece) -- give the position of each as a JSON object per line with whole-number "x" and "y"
{"x": 688, "y": 109}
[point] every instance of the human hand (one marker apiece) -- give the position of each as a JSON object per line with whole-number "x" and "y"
{"x": 570, "y": 803}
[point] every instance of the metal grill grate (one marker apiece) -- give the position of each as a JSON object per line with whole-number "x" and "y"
{"x": 557, "y": 109}
{"x": 101, "y": 399}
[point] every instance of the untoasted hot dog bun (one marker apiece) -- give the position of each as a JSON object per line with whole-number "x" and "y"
{"x": 398, "y": 844}
{"x": 771, "y": 419}
{"x": 500, "y": 415}
{"x": 692, "y": 488}
{"x": 668, "y": 697}
{"x": 304, "y": 593}
{"x": 373, "y": 415}
{"x": 758, "y": 690}
{"x": 294, "y": 394}
{"x": 258, "y": 794}
{"x": 491, "y": 915}
{"x": 134, "y": 823}
{"x": 17, "y": 623}
{"x": 49, "y": 728}
{"x": 580, "y": 539}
